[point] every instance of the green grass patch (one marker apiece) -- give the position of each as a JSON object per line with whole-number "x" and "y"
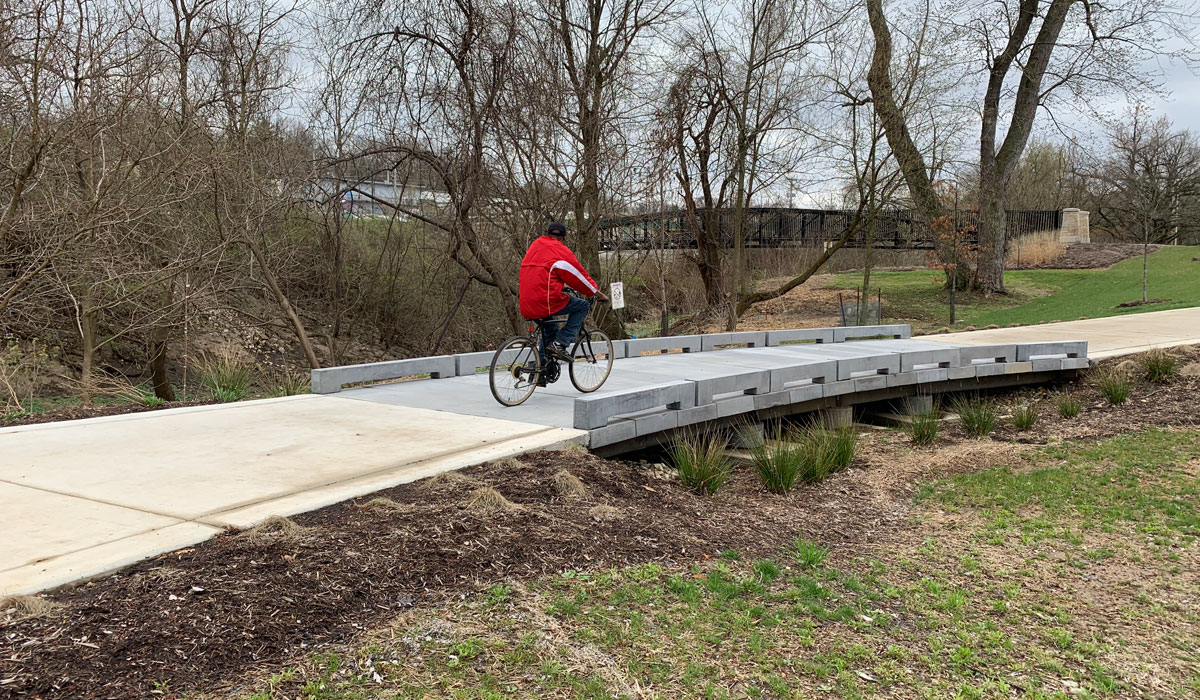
{"x": 1039, "y": 296}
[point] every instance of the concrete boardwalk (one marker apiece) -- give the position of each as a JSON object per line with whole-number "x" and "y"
{"x": 1106, "y": 337}
{"x": 81, "y": 498}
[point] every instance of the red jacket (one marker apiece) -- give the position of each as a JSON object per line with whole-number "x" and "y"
{"x": 547, "y": 266}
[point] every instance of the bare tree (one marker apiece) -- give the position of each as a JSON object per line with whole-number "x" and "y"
{"x": 1148, "y": 183}
{"x": 1046, "y": 48}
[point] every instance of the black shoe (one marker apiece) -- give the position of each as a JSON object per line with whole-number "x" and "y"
{"x": 559, "y": 352}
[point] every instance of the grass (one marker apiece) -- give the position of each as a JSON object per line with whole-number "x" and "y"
{"x": 1068, "y": 405}
{"x": 1158, "y": 365}
{"x": 1010, "y": 596}
{"x": 1025, "y": 416}
{"x": 702, "y": 462}
{"x": 808, "y": 456}
{"x": 978, "y": 415}
{"x": 1034, "y": 249}
{"x": 924, "y": 428}
{"x": 1114, "y": 385}
{"x": 226, "y": 378}
{"x": 1039, "y": 296}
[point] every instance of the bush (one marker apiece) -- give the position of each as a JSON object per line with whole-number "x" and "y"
{"x": 702, "y": 462}
{"x": 978, "y": 415}
{"x": 1114, "y": 385}
{"x": 1158, "y": 365}
{"x": 1024, "y": 416}
{"x": 226, "y": 378}
{"x": 1069, "y": 406}
{"x": 924, "y": 428}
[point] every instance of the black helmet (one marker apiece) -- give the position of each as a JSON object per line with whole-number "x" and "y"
{"x": 556, "y": 228}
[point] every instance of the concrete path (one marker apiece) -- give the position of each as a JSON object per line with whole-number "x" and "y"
{"x": 81, "y": 498}
{"x": 1106, "y": 337}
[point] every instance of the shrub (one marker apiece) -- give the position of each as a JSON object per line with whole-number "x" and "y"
{"x": 808, "y": 554}
{"x": 702, "y": 462}
{"x": 924, "y": 428}
{"x": 1024, "y": 416}
{"x": 978, "y": 415}
{"x": 1158, "y": 365}
{"x": 1069, "y": 406}
{"x": 226, "y": 378}
{"x": 1114, "y": 386}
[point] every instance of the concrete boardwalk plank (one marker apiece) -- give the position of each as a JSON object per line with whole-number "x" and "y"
{"x": 1106, "y": 337}
{"x": 84, "y": 497}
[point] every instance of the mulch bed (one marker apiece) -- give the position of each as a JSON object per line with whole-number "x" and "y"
{"x": 1091, "y": 256}
{"x": 93, "y": 411}
{"x": 204, "y": 616}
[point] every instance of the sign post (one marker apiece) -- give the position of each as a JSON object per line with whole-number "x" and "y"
{"x": 616, "y": 293}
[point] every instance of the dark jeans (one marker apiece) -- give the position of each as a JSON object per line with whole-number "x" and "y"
{"x": 576, "y": 310}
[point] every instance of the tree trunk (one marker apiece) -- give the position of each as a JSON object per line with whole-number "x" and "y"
{"x": 87, "y": 333}
{"x": 284, "y": 304}
{"x": 852, "y": 230}
{"x": 1145, "y": 262}
{"x": 989, "y": 272}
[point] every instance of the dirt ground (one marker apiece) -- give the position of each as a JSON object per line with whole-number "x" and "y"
{"x": 246, "y": 602}
{"x": 93, "y": 411}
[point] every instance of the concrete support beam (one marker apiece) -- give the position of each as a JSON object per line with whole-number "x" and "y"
{"x": 329, "y": 381}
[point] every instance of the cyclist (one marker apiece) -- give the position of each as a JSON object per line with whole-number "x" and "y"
{"x": 548, "y": 266}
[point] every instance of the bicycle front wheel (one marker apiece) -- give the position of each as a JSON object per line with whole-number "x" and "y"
{"x": 591, "y": 360}
{"x": 515, "y": 371}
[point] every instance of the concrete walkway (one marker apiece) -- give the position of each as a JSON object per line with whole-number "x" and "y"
{"x": 81, "y": 498}
{"x": 1106, "y": 337}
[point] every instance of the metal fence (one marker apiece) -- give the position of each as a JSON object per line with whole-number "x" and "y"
{"x": 788, "y": 227}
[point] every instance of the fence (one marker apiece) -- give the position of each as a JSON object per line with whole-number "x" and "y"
{"x": 788, "y": 227}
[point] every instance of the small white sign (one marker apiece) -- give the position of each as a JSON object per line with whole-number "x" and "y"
{"x": 617, "y": 295}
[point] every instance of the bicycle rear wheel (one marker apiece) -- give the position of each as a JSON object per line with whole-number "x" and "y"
{"x": 514, "y": 372}
{"x": 592, "y": 360}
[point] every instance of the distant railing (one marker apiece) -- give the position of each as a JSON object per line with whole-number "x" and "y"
{"x": 780, "y": 227}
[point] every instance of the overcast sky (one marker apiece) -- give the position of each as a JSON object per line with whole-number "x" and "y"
{"x": 1183, "y": 105}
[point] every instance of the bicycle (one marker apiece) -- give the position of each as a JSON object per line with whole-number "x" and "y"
{"x": 518, "y": 368}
